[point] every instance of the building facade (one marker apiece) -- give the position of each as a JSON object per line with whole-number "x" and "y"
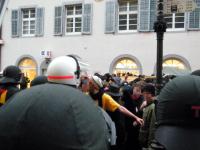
{"x": 114, "y": 36}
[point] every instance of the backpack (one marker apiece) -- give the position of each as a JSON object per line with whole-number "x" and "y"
{"x": 3, "y": 93}
{"x": 111, "y": 128}
{"x": 110, "y": 124}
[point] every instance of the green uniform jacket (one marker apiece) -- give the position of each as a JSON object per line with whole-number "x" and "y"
{"x": 147, "y": 131}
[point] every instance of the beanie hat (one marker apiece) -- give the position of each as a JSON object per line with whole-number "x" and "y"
{"x": 98, "y": 81}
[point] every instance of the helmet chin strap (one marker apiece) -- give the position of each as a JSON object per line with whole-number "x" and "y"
{"x": 78, "y": 70}
{"x": 77, "y": 82}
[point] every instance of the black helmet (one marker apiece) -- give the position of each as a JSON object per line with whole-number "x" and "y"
{"x": 196, "y": 72}
{"x": 178, "y": 114}
{"x": 53, "y": 117}
{"x": 11, "y": 74}
{"x": 39, "y": 80}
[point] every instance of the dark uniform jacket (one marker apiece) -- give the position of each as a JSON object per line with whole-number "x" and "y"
{"x": 11, "y": 90}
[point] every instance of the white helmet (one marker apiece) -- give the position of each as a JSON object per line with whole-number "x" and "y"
{"x": 64, "y": 70}
{"x": 98, "y": 81}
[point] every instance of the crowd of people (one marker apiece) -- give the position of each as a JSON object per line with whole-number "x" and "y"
{"x": 67, "y": 110}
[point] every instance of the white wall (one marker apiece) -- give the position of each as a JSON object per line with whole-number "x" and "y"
{"x": 98, "y": 49}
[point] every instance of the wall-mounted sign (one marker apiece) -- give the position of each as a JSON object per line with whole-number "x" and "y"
{"x": 46, "y": 54}
{"x": 179, "y": 6}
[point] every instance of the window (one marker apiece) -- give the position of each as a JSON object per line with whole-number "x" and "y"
{"x": 175, "y": 21}
{"x": 28, "y": 67}
{"x": 174, "y": 63}
{"x": 126, "y": 65}
{"x": 127, "y": 16}
{"x": 28, "y": 22}
{"x": 73, "y": 19}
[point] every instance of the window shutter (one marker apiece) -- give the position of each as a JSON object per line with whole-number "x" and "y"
{"x": 87, "y": 19}
{"x": 15, "y": 23}
{"x": 2, "y": 9}
{"x": 153, "y": 13}
{"x": 144, "y": 15}
{"x": 63, "y": 20}
{"x": 40, "y": 21}
{"x": 58, "y": 21}
{"x": 110, "y": 17}
{"x": 194, "y": 17}
{"x": 20, "y": 23}
{"x": 1, "y": 5}
{"x": 198, "y": 3}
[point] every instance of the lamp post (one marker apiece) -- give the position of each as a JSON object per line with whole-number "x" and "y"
{"x": 160, "y": 27}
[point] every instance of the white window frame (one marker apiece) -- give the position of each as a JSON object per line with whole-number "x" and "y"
{"x": 29, "y": 19}
{"x": 127, "y": 12}
{"x": 173, "y": 24}
{"x": 74, "y": 16}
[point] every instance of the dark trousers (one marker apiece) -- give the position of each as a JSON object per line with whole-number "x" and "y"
{"x": 132, "y": 140}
